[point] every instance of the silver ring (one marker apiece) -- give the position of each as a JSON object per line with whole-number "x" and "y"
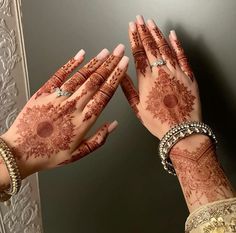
{"x": 60, "y": 92}
{"x": 159, "y": 62}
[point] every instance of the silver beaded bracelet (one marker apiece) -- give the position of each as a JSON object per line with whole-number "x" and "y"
{"x": 13, "y": 170}
{"x": 177, "y": 133}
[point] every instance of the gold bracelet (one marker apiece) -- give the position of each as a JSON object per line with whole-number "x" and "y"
{"x": 13, "y": 170}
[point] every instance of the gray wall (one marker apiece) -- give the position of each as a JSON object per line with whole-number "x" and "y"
{"x": 122, "y": 187}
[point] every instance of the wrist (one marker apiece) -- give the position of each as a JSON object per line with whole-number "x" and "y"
{"x": 5, "y": 178}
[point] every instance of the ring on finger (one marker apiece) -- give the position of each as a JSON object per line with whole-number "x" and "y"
{"x": 60, "y": 92}
{"x": 159, "y": 62}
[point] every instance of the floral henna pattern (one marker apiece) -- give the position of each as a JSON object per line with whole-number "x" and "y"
{"x": 148, "y": 40}
{"x": 139, "y": 54}
{"x": 200, "y": 173}
{"x": 183, "y": 60}
{"x": 58, "y": 78}
{"x": 103, "y": 96}
{"x": 51, "y": 130}
{"x": 87, "y": 147}
{"x": 169, "y": 100}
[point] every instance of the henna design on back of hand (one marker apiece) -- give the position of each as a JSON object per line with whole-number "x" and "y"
{"x": 169, "y": 100}
{"x": 58, "y": 78}
{"x": 139, "y": 54}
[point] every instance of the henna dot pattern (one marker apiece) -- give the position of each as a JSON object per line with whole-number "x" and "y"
{"x": 169, "y": 100}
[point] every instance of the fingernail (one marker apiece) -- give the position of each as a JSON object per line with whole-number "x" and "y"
{"x": 123, "y": 62}
{"x": 132, "y": 26}
{"x": 140, "y": 19}
{"x": 119, "y": 50}
{"x": 151, "y": 23}
{"x": 103, "y": 54}
{"x": 79, "y": 55}
{"x": 112, "y": 126}
{"x": 173, "y": 34}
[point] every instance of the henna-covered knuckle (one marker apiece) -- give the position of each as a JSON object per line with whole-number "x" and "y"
{"x": 183, "y": 60}
{"x": 200, "y": 174}
{"x": 58, "y": 78}
{"x": 139, "y": 53}
{"x": 169, "y": 100}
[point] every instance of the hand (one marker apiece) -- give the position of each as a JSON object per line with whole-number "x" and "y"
{"x": 167, "y": 94}
{"x": 50, "y": 130}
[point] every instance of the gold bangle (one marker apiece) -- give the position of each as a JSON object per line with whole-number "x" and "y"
{"x": 13, "y": 170}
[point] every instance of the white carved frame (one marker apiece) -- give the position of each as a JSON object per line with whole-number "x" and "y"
{"x": 23, "y": 213}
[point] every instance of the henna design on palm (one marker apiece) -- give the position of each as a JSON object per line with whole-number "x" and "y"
{"x": 169, "y": 100}
{"x": 200, "y": 173}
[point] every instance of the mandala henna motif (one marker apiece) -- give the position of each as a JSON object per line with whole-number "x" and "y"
{"x": 58, "y": 78}
{"x": 139, "y": 54}
{"x": 200, "y": 173}
{"x": 169, "y": 100}
{"x": 183, "y": 60}
{"x": 88, "y": 147}
{"x": 51, "y": 130}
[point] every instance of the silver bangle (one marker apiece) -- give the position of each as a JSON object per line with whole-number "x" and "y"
{"x": 177, "y": 133}
{"x": 13, "y": 170}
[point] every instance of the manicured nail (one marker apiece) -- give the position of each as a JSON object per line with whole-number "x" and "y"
{"x": 119, "y": 50}
{"x": 123, "y": 62}
{"x": 140, "y": 19}
{"x": 79, "y": 55}
{"x": 112, "y": 126}
{"x": 103, "y": 54}
{"x": 173, "y": 34}
{"x": 151, "y": 23}
{"x": 132, "y": 26}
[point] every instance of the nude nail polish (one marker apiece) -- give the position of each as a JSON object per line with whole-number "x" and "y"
{"x": 132, "y": 26}
{"x": 123, "y": 62}
{"x": 112, "y": 126}
{"x": 103, "y": 54}
{"x": 140, "y": 19}
{"x": 151, "y": 23}
{"x": 173, "y": 34}
{"x": 119, "y": 50}
{"x": 79, "y": 55}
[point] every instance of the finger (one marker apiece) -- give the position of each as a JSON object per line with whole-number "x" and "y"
{"x": 165, "y": 50}
{"x": 94, "y": 82}
{"x": 180, "y": 54}
{"x": 60, "y": 76}
{"x": 148, "y": 42}
{"x": 91, "y": 144}
{"x": 79, "y": 78}
{"x": 130, "y": 93}
{"x": 95, "y": 106}
{"x": 141, "y": 61}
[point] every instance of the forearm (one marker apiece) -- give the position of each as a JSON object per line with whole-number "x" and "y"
{"x": 201, "y": 177}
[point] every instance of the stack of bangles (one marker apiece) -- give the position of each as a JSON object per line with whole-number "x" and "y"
{"x": 14, "y": 173}
{"x": 177, "y": 133}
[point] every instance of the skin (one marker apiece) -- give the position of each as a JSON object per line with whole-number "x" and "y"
{"x": 168, "y": 95}
{"x": 50, "y": 131}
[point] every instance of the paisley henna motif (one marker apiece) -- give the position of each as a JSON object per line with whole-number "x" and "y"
{"x": 169, "y": 100}
{"x": 58, "y": 78}
{"x": 200, "y": 174}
